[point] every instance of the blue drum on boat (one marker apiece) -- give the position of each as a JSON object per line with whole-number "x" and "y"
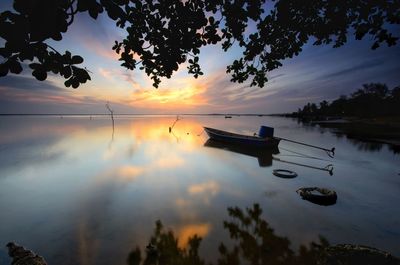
{"x": 266, "y": 131}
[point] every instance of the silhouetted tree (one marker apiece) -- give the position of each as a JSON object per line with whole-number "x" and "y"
{"x": 165, "y": 34}
{"x": 371, "y": 100}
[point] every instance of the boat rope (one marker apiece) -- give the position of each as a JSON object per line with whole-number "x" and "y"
{"x": 330, "y": 152}
{"x": 300, "y": 154}
{"x": 328, "y": 168}
{"x": 201, "y": 133}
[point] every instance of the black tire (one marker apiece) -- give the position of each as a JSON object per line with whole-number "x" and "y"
{"x": 283, "y": 173}
{"x": 325, "y": 197}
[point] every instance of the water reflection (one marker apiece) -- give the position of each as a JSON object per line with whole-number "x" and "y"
{"x": 89, "y": 202}
{"x": 253, "y": 241}
{"x": 264, "y": 156}
{"x": 373, "y": 138}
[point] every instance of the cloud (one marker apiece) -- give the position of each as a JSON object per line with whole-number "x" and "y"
{"x": 28, "y": 83}
{"x": 96, "y": 36}
{"x": 22, "y": 95}
{"x": 354, "y": 69}
{"x": 116, "y": 74}
{"x": 275, "y": 76}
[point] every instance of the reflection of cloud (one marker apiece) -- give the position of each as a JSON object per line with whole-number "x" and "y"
{"x": 87, "y": 245}
{"x": 206, "y": 188}
{"x": 169, "y": 162}
{"x": 130, "y": 173}
{"x": 121, "y": 175}
{"x": 189, "y": 231}
{"x": 180, "y": 202}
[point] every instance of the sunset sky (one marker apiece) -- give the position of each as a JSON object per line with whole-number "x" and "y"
{"x": 319, "y": 73}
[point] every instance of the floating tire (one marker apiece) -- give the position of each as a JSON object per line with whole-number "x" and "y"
{"x": 317, "y": 195}
{"x": 283, "y": 173}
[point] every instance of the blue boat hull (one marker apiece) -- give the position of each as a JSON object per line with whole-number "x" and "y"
{"x": 233, "y": 138}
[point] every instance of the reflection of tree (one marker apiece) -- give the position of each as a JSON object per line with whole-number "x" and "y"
{"x": 395, "y": 149}
{"x": 254, "y": 242}
{"x": 163, "y": 249}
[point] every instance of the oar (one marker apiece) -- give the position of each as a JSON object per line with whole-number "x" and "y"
{"x": 330, "y": 152}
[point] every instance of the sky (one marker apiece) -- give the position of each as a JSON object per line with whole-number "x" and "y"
{"x": 318, "y": 73}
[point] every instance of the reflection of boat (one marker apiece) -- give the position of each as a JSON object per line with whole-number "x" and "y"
{"x": 234, "y": 138}
{"x": 263, "y": 155}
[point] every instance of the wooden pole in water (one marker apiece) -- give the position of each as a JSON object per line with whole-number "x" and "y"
{"x": 329, "y": 151}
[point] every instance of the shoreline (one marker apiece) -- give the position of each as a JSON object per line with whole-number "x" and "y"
{"x": 385, "y": 130}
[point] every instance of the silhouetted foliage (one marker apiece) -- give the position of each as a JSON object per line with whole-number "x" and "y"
{"x": 165, "y": 34}
{"x": 254, "y": 243}
{"x": 372, "y": 100}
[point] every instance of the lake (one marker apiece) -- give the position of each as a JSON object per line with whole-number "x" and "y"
{"x": 77, "y": 191}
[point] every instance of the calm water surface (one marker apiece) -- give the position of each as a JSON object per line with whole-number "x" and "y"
{"x": 76, "y": 192}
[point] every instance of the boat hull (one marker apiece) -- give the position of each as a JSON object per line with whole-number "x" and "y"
{"x": 240, "y": 139}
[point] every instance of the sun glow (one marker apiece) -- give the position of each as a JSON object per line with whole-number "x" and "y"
{"x": 180, "y": 92}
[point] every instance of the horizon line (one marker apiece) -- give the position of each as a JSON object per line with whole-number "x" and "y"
{"x": 138, "y": 114}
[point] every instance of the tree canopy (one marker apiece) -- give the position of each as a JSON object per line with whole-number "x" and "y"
{"x": 165, "y": 34}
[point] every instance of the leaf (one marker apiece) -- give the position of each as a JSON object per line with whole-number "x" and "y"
{"x": 57, "y": 36}
{"x": 93, "y": 12}
{"x": 77, "y": 59}
{"x": 34, "y": 65}
{"x": 5, "y": 52}
{"x": 15, "y": 67}
{"x": 67, "y": 56}
{"x": 67, "y": 83}
{"x": 39, "y": 75}
{"x": 75, "y": 84}
{"x": 66, "y": 71}
{"x": 3, "y": 70}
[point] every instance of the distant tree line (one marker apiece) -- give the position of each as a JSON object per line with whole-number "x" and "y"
{"x": 372, "y": 100}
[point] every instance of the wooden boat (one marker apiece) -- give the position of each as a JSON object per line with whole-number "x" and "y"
{"x": 240, "y": 139}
